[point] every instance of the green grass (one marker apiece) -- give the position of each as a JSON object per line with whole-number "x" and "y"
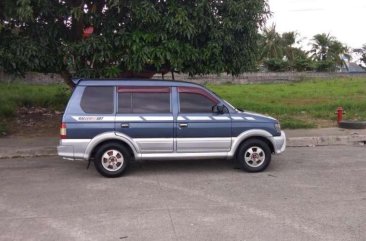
{"x": 13, "y": 96}
{"x": 303, "y": 104}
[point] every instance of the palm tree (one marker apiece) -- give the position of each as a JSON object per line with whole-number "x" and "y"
{"x": 337, "y": 52}
{"x": 329, "y": 52}
{"x": 288, "y": 40}
{"x": 271, "y": 44}
{"x": 320, "y": 46}
{"x": 362, "y": 53}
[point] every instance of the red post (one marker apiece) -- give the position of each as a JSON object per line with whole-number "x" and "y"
{"x": 339, "y": 113}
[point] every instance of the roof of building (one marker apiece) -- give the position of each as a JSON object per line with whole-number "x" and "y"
{"x": 353, "y": 67}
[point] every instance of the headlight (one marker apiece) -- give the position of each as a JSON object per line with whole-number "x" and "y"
{"x": 278, "y": 127}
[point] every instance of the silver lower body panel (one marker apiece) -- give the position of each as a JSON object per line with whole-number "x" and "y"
{"x": 155, "y": 145}
{"x": 73, "y": 148}
{"x": 202, "y": 145}
{"x": 182, "y": 156}
{"x": 167, "y": 148}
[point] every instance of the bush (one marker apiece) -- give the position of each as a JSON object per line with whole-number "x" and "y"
{"x": 325, "y": 66}
{"x": 304, "y": 64}
{"x": 277, "y": 65}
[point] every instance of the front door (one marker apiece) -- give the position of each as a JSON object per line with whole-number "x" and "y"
{"x": 198, "y": 128}
{"x": 145, "y": 115}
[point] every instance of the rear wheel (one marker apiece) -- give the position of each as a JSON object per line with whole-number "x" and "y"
{"x": 254, "y": 156}
{"x": 112, "y": 159}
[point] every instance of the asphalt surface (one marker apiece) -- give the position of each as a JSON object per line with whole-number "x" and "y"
{"x": 306, "y": 194}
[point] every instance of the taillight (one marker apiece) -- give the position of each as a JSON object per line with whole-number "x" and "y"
{"x": 63, "y": 131}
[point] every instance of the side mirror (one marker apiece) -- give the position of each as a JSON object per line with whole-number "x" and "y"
{"x": 219, "y": 109}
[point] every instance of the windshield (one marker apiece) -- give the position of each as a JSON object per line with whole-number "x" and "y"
{"x": 231, "y": 106}
{"x": 226, "y": 102}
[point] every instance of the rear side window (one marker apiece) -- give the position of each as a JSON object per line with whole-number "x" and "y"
{"x": 144, "y": 100}
{"x": 195, "y": 103}
{"x": 97, "y": 100}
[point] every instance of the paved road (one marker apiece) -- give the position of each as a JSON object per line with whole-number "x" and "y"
{"x": 307, "y": 194}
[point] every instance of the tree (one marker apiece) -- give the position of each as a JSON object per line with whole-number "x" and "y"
{"x": 198, "y": 37}
{"x": 280, "y": 54}
{"x": 361, "y": 52}
{"x": 328, "y": 52}
{"x": 271, "y": 44}
{"x": 320, "y": 46}
{"x": 288, "y": 39}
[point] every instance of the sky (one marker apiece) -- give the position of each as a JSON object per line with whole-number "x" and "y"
{"x": 344, "y": 20}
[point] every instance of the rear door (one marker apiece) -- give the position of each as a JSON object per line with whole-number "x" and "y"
{"x": 145, "y": 115}
{"x": 198, "y": 128}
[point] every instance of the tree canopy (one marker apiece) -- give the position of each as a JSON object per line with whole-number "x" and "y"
{"x": 196, "y": 37}
{"x": 279, "y": 52}
{"x": 361, "y": 52}
{"x": 328, "y": 51}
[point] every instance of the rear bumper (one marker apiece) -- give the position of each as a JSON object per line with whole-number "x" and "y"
{"x": 279, "y": 143}
{"x": 72, "y": 148}
{"x": 65, "y": 151}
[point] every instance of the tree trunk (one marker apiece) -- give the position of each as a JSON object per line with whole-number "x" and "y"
{"x": 77, "y": 25}
{"x": 67, "y": 78}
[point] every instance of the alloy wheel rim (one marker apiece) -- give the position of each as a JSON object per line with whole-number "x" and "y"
{"x": 112, "y": 160}
{"x": 254, "y": 156}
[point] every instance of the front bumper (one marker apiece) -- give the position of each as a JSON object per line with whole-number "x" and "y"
{"x": 279, "y": 143}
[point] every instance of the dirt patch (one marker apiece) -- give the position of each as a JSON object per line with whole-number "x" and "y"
{"x": 35, "y": 122}
{"x": 306, "y": 101}
{"x": 319, "y": 123}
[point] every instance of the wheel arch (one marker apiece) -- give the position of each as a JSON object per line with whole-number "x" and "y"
{"x": 262, "y": 135}
{"x": 110, "y": 137}
{"x": 110, "y": 141}
{"x": 264, "y": 139}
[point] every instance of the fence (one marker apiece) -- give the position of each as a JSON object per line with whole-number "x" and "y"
{"x": 246, "y": 78}
{"x": 259, "y": 77}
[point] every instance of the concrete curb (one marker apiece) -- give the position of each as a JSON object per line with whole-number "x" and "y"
{"x": 16, "y": 152}
{"x": 28, "y": 152}
{"x": 326, "y": 141}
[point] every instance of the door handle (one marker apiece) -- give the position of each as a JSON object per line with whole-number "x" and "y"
{"x": 183, "y": 125}
{"x": 125, "y": 125}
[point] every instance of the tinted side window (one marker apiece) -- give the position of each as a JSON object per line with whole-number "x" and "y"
{"x": 195, "y": 103}
{"x": 144, "y": 102}
{"x": 124, "y": 103}
{"x": 97, "y": 100}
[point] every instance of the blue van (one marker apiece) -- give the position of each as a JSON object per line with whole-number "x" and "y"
{"x": 113, "y": 122}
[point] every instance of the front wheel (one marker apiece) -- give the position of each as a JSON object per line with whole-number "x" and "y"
{"x": 112, "y": 159}
{"x": 254, "y": 155}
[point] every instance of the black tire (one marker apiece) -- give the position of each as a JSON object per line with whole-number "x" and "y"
{"x": 257, "y": 161}
{"x": 352, "y": 124}
{"x": 108, "y": 157}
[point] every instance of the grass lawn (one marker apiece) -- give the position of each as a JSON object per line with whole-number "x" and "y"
{"x": 13, "y": 96}
{"x": 304, "y": 104}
